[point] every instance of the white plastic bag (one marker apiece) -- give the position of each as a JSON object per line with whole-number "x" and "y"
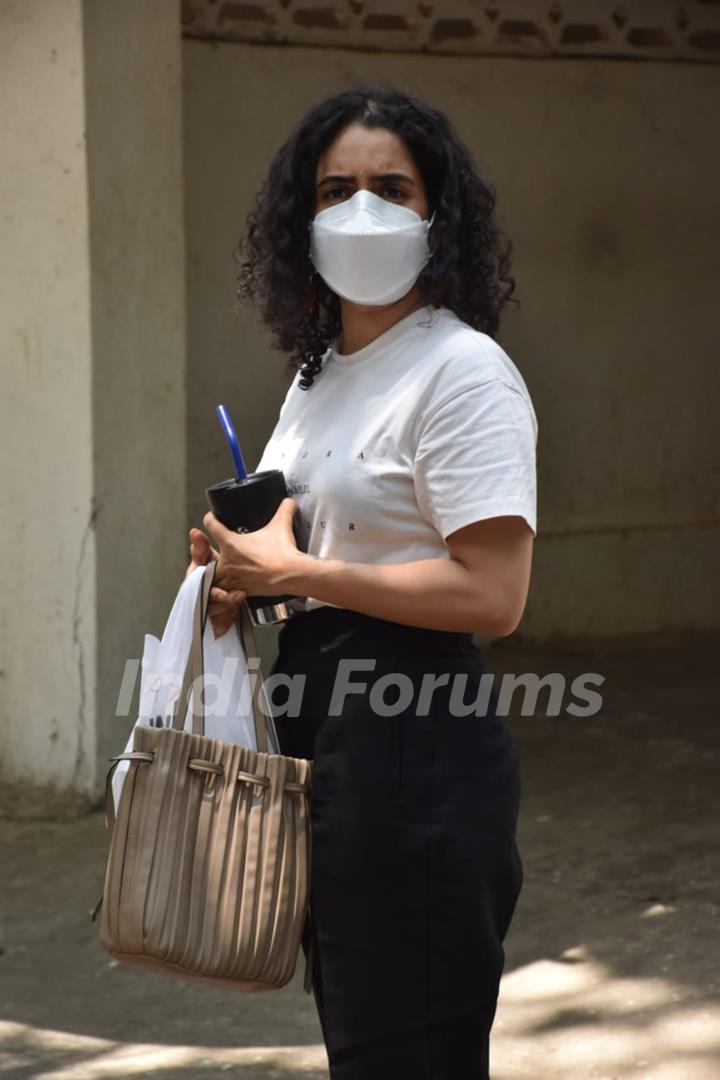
{"x": 226, "y": 684}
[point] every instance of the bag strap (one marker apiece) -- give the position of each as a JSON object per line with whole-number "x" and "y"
{"x": 265, "y": 732}
{"x": 195, "y": 666}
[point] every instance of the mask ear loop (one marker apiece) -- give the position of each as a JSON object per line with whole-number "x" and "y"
{"x": 429, "y": 226}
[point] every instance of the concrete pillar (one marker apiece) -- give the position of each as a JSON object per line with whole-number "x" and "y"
{"x": 92, "y": 399}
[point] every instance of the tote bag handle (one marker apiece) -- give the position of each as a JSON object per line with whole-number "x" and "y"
{"x": 265, "y": 732}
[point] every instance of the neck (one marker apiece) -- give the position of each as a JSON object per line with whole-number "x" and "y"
{"x": 362, "y": 323}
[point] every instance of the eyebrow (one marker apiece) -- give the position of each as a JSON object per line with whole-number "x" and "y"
{"x": 338, "y": 179}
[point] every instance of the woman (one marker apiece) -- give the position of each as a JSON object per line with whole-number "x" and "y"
{"x": 407, "y": 438}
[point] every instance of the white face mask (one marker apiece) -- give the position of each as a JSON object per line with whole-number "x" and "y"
{"x": 369, "y": 250}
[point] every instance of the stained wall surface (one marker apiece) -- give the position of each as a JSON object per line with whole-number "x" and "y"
{"x": 92, "y": 346}
{"x": 46, "y": 408}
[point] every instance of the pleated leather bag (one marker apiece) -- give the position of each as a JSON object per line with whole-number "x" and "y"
{"x": 208, "y": 857}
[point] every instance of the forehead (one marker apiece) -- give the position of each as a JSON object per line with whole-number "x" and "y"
{"x": 359, "y": 149}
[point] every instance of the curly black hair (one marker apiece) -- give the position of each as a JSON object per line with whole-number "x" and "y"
{"x": 470, "y": 265}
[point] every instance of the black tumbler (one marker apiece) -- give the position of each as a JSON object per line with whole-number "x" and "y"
{"x": 245, "y": 506}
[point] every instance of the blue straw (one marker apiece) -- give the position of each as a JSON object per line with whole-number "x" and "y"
{"x": 240, "y": 470}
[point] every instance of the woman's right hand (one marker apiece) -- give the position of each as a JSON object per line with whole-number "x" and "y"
{"x": 223, "y": 606}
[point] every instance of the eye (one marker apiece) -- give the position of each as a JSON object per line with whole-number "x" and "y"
{"x": 392, "y": 191}
{"x": 335, "y": 193}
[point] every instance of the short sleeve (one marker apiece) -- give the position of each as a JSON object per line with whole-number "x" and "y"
{"x": 475, "y": 458}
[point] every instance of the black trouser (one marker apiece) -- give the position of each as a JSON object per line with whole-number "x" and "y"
{"x": 415, "y": 872}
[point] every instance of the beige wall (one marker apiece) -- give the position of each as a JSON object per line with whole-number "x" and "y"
{"x": 48, "y": 569}
{"x": 608, "y": 182}
{"x": 137, "y": 253}
{"x": 92, "y": 403}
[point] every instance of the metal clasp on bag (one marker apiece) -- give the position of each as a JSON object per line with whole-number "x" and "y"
{"x": 255, "y": 781}
{"x": 211, "y": 769}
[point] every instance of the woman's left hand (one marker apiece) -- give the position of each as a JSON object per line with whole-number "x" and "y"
{"x": 257, "y": 563}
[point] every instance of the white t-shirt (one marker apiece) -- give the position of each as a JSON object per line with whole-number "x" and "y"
{"x": 424, "y": 430}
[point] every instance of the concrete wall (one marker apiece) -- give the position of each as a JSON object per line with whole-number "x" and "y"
{"x": 134, "y": 116}
{"x": 92, "y": 409}
{"x": 47, "y": 573}
{"x": 607, "y": 181}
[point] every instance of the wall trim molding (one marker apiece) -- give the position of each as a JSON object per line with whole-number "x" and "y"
{"x": 633, "y": 29}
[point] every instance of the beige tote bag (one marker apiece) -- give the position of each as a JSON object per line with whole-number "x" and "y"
{"x": 208, "y": 857}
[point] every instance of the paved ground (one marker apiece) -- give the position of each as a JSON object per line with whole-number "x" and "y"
{"x": 613, "y": 958}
